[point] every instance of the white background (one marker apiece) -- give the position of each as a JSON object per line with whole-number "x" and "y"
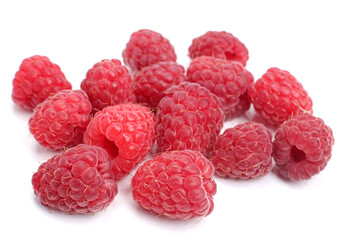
{"x": 317, "y": 41}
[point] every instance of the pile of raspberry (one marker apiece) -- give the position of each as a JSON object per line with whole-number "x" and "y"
{"x": 163, "y": 124}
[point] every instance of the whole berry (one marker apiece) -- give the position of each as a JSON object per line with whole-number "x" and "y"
{"x": 126, "y": 131}
{"x": 147, "y": 47}
{"x": 61, "y": 120}
{"x": 227, "y": 80}
{"x": 243, "y": 152}
{"x": 222, "y": 45}
{"x": 78, "y": 180}
{"x": 302, "y": 147}
{"x": 277, "y": 96}
{"x": 151, "y": 82}
{"x": 177, "y": 185}
{"x": 107, "y": 83}
{"x": 188, "y": 117}
{"x": 37, "y": 79}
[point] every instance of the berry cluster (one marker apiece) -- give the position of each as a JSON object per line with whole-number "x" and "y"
{"x": 110, "y": 125}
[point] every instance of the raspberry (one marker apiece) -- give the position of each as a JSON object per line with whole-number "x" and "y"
{"x": 222, "y": 45}
{"x": 227, "y": 80}
{"x": 78, "y": 180}
{"x": 177, "y": 184}
{"x": 188, "y": 117}
{"x": 277, "y": 96}
{"x": 151, "y": 82}
{"x": 126, "y": 131}
{"x": 36, "y": 80}
{"x": 61, "y": 120}
{"x": 243, "y": 151}
{"x": 147, "y": 47}
{"x": 107, "y": 83}
{"x": 302, "y": 147}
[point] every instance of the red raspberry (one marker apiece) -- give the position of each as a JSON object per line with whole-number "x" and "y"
{"x": 61, "y": 120}
{"x": 107, "y": 83}
{"x": 145, "y": 48}
{"x": 222, "y": 45}
{"x": 188, "y": 117}
{"x": 126, "y": 131}
{"x": 277, "y": 96}
{"x": 302, "y": 147}
{"x": 177, "y": 184}
{"x": 227, "y": 80}
{"x": 151, "y": 82}
{"x": 78, "y": 180}
{"x": 243, "y": 151}
{"x": 36, "y": 80}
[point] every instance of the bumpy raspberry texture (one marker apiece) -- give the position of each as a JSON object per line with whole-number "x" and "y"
{"x": 277, "y": 96}
{"x": 188, "y": 117}
{"x": 78, "y": 180}
{"x": 147, "y": 47}
{"x": 222, "y": 45}
{"x": 151, "y": 82}
{"x": 108, "y": 83}
{"x": 37, "y": 79}
{"x": 227, "y": 80}
{"x": 243, "y": 152}
{"x": 302, "y": 147}
{"x": 177, "y": 184}
{"x": 61, "y": 120}
{"x": 126, "y": 131}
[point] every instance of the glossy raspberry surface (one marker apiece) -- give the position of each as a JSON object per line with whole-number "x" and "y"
{"x": 78, "y": 180}
{"x": 126, "y": 131}
{"x": 277, "y": 96}
{"x": 243, "y": 152}
{"x": 229, "y": 81}
{"x": 147, "y": 47}
{"x": 61, "y": 120}
{"x": 221, "y": 44}
{"x": 188, "y": 117}
{"x": 177, "y": 184}
{"x": 150, "y": 83}
{"x": 107, "y": 83}
{"x": 37, "y": 79}
{"x": 302, "y": 147}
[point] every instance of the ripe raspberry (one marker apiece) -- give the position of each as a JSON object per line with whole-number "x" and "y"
{"x": 302, "y": 147}
{"x": 107, "y": 83}
{"x": 151, "y": 82}
{"x": 227, "y": 80}
{"x": 78, "y": 180}
{"x": 277, "y": 96}
{"x": 36, "y": 80}
{"x": 145, "y": 48}
{"x": 243, "y": 151}
{"x": 61, "y": 120}
{"x": 222, "y": 45}
{"x": 188, "y": 117}
{"x": 177, "y": 184}
{"x": 126, "y": 131}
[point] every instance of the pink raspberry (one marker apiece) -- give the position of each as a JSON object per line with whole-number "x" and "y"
{"x": 108, "y": 83}
{"x": 177, "y": 185}
{"x": 227, "y": 80}
{"x": 302, "y": 147}
{"x": 78, "y": 180}
{"x": 152, "y": 81}
{"x": 243, "y": 151}
{"x": 126, "y": 131}
{"x": 145, "y": 48}
{"x": 37, "y": 79}
{"x": 61, "y": 120}
{"x": 188, "y": 117}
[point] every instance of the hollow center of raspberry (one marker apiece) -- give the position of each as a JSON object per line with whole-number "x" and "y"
{"x": 297, "y": 155}
{"x": 111, "y": 148}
